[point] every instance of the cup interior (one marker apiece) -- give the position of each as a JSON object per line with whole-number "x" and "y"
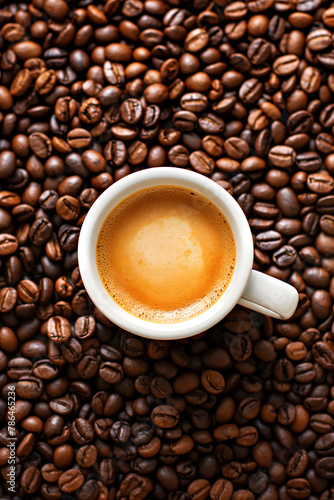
{"x": 164, "y": 176}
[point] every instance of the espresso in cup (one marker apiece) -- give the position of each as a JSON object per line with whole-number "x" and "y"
{"x": 165, "y": 254}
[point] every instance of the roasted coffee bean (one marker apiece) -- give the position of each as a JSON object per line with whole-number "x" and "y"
{"x": 111, "y": 372}
{"x": 40, "y": 231}
{"x": 164, "y": 416}
{"x": 5, "y": 219}
{"x": 213, "y": 381}
{"x": 199, "y": 489}
{"x": 68, "y": 207}
{"x": 61, "y": 406}
{"x": 29, "y": 387}
{"x": 211, "y": 124}
{"x": 137, "y": 152}
{"x": 326, "y": 224}
{"x": 298, "y": 488}
{"x": 224, "y": 105}
{"x": 221, "y": 489}
{"x": 285, "y": 256}
{"x": 8, "y": 244}
{"x": 252, "y": 164}
{"x": 282, "y": 156}
{"x": 21, "y": 83}
{"x": 13, "y": 32}
{"x": 287, "y": 202}
{"x": 184, "y": 121}
{"x": 320, "y": 182}
{"x": 86, "y": 455}
{"x": 250, "y": 91}
{"x": 8, "y": 299}
{"x": 161, "y": 388}
{"x": 136, "y": 485}
{"x": 28, "y": 291}
{"x": 201, "y": 162}
{"x": 178, "y": 156}
{"x": 300, "y": 122}
{"x": 323, "y": 354}
{"x": 236, "y": 148}
{"x": 82, "y": 432}
{"x": 115, "y": 153}
{"x": 114, "y": 73}
{"x": 239, "y": 92}
{"x": 249, "y": 407}
{"x": 325, "y": 467}
{"x": 196, "y": 40}
{"x": 48, "y": 199}
{"x": 40, "y": 145}
{"x": 58, "y": 329}
{"x": 93, "y": 161}
{"x": 9, "y": 342}
{"x": 70, "y": 480}
{"x": 151, "y": 116}
{"x": 156, "y": 93}
{"x": 45, "y": 81}
{"x": 286, "y": 65}
{"x": 213, "y": 145}
{"x": 65, "y": 108}
{"x": 68, "y": 237}
{"x": 131, "y": 111}
{"x": 45, "y": 370}
{"x": 227, "y": 165}
{"x": 107, "y": 472}
{"x": 310, "y": 80}
{"x": 30, "y": 480}
{"x": 308, "y": 161}
{"x": 297, "y": 464}
{"x": 268, "y": 240}
{"x": 318, "y": 39}
{"x": 258, "y": 51}
{"x": 79, "y": 138}
{"x": 125, "y": 132}
{"x": 325, "y": 205}
{"x": 195, "y": 102}
{"x": 90, "y": 111}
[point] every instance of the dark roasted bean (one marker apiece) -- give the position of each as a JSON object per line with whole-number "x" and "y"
{"x": 70, "y": 480}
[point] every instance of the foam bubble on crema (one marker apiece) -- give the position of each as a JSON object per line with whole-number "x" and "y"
{"x": 165, "y": 254}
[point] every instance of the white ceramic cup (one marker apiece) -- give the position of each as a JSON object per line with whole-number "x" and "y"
{"x": 249, "y": 288}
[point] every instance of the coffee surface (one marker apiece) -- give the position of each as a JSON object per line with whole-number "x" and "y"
{"x": 165, "y": 254}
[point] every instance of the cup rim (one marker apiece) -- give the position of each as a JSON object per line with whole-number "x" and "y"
{"x": 164, "y": 176}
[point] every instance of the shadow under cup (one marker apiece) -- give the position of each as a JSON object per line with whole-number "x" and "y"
{"x": 164, "y": 176}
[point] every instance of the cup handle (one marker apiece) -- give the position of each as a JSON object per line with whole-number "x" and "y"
{"x": 269, "y": 296}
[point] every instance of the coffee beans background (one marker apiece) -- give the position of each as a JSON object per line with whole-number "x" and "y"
{"x": 241, "y": 92}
